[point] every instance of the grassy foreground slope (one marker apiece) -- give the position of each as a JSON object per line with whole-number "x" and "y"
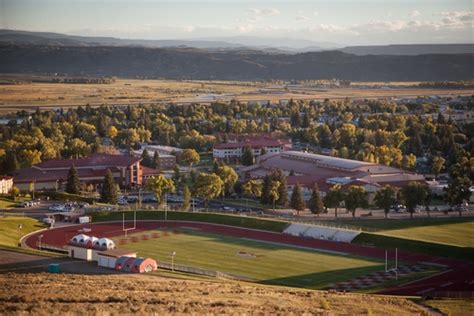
{"x": 10, "y": 234}
{"x": 144, "y": 294}
{"x": 263, "y": 262}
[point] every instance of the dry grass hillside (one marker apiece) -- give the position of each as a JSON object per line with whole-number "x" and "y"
{"x": 46, "y": 294}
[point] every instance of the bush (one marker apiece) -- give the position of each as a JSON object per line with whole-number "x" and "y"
{"x": 62, "y": 196}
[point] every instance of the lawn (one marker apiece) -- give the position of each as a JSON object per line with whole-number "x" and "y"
{"x": 448, "y": 231}
{"x": 268, "y": 263}
{"x": 10, "y": 234}
{"x": 452, "y": 306}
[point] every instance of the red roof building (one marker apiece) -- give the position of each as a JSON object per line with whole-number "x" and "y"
{"x": 235, "y": 149}
{"x": 50, "y": 174}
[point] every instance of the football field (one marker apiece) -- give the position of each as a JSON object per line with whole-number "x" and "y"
{"x": 262, "y": 262}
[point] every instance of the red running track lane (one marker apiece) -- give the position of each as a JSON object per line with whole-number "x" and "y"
{"x": 460, "y": 278}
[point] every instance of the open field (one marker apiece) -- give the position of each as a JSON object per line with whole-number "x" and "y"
{"x": 139, "y": 294}
{"x": 128, "y": 91}
{"x": 449, "y": 231}
{"x": 263, "y": 262}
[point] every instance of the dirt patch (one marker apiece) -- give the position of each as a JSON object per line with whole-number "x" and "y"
{"x": 46, "y": 294}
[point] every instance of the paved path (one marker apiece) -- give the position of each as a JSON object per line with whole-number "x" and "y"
{"x": 460, "y": 276}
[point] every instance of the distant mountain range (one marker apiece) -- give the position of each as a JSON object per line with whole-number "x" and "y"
{"x": 270, "y": 45}
{"x": 193, "y": 63}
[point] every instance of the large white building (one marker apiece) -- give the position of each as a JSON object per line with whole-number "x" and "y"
{"x": 6, "y": 184}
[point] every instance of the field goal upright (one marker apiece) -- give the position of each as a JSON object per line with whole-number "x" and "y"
{"x": 125, "y": 230}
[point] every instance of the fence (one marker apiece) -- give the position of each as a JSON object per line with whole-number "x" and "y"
{"x": 200, "y": 271}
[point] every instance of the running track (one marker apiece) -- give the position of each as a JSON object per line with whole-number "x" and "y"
{"x": 459, "y": 277}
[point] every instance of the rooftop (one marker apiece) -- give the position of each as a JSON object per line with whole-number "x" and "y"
{"x": 117, "y": 253}
{"x": 253, "y": 143}
{"x": 94, "y": 160}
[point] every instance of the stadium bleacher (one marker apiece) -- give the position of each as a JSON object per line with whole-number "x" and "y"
{"x": 321, "y": 232}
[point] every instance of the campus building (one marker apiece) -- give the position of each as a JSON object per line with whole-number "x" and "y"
{"x": 6, "y": 184}
{"x": 233, "y": 150}
{"x": 167, "y": 154}
{"x": 308, "y": 169}
{"x": 52, "y": 174}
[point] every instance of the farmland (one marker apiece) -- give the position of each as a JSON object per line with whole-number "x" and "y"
{"x": 28, "y": 96}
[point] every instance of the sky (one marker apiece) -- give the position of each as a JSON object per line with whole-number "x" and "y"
{"x": 344, "y": 22}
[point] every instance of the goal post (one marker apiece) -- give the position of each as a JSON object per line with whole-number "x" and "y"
{"x": 125, "y": 230}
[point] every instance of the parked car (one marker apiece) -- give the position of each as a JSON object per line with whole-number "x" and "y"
{"x": 399, "y": 208}
{"x": 83, "y": 204}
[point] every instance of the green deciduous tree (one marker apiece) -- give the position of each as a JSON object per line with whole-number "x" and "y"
{"x": 273, "y": 192}
{"x": 458, "y": 191}
{"x": 385, "y": 198}
{"x": 229, "y": 177}
{"x": 186, "y": 198}
{"x": 190, "y": 157}
{"x": 208, "y": 186}
{"x": 108, "y": 194}
{"x": 412, "y": 195}
{"x": 333, "y": 198}
{"x": 160, "y": 186}
{"x": 297, "y": 200}
{"x": 356, "y": 197}
{"x": 252, "y": 188}
{"x": 437, "y": 165}
{"x": 73, "y": 185}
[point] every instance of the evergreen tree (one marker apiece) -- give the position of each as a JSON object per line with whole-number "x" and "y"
{"x": 10, "y": 163}
{"x": 264, "y": 198}
{"x": 186, "y": 198}
{"x": 315, "y": 203}
{"x": 177, "y": 174}
{"x": 146, "y": 160}
{"x": 155, "y": 163}
{"x": 73, "y": 185}
{"x": 306, "y": 120}
{"x": 297, "y": 200}
{"x": 247, "y": 157}
{"x": 108, "y": 193}
{"x": 263, "y": 151}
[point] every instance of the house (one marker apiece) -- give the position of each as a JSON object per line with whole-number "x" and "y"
{"x": 6, "y": 184}
{"x": 51, "y": 174}
{"x": 306, "y": 169}
{"x": 233, "y": 150}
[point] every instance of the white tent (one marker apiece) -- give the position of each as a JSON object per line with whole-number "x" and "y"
{"x": 80, "y": 239}
{"x": 104, "y": 243}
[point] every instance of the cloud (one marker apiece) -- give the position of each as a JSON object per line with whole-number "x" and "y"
{"x": 263, "y": 12}
{"x": 316, "y": 13}
{"x": 301, "y": 17}
{"x": 414, "y": 13}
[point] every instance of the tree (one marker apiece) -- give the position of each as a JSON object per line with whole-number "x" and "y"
{"x": 190, "y": 157}
{"x": 315, "y": 204}
{"x": 112, "y": 132}
{"x": 356, "y": 197}
{"x": 177, "y": 175}
{"x": 427, "y": 198}
{"x": 73, "y": 185}
{"x": 252, "y": 188}
{"x": 385, "y": 198}
{"x": 160, "y": 186}
{"x": 412, "y": 195}
{"x": 208, "y": 186}
{"x": 279, "y": 176}
{"x": 273, "y": 192}
{"x": 437, "y": 165}
{"x": 458, "y": 191}
{"x": 186, "y": 198}
{"x": 247, "y": 156}
{"x": 14, "y": 193}
{"x": 155, "y": 162}
{"x": 229, "y": 177}
{"x": 146, "y": 160}
{"x": 297, "y": 200}
{"x": 10, "y": 163}
{"x": 333, "y": 198}
{"x": 108, "y": 194}
{"x": 265, "y": 196}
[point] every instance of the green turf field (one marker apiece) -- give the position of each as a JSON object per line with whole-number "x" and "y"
{"x": 449, "y": 231}
{"x": 272, "y": 264}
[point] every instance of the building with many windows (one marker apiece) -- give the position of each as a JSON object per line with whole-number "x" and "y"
{"x": 52, "y": 174}
{"x": 233, "y": 150}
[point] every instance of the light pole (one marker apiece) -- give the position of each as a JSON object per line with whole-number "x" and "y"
{"x": 39, "y": 241}
{"x": 172, "y": 260}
